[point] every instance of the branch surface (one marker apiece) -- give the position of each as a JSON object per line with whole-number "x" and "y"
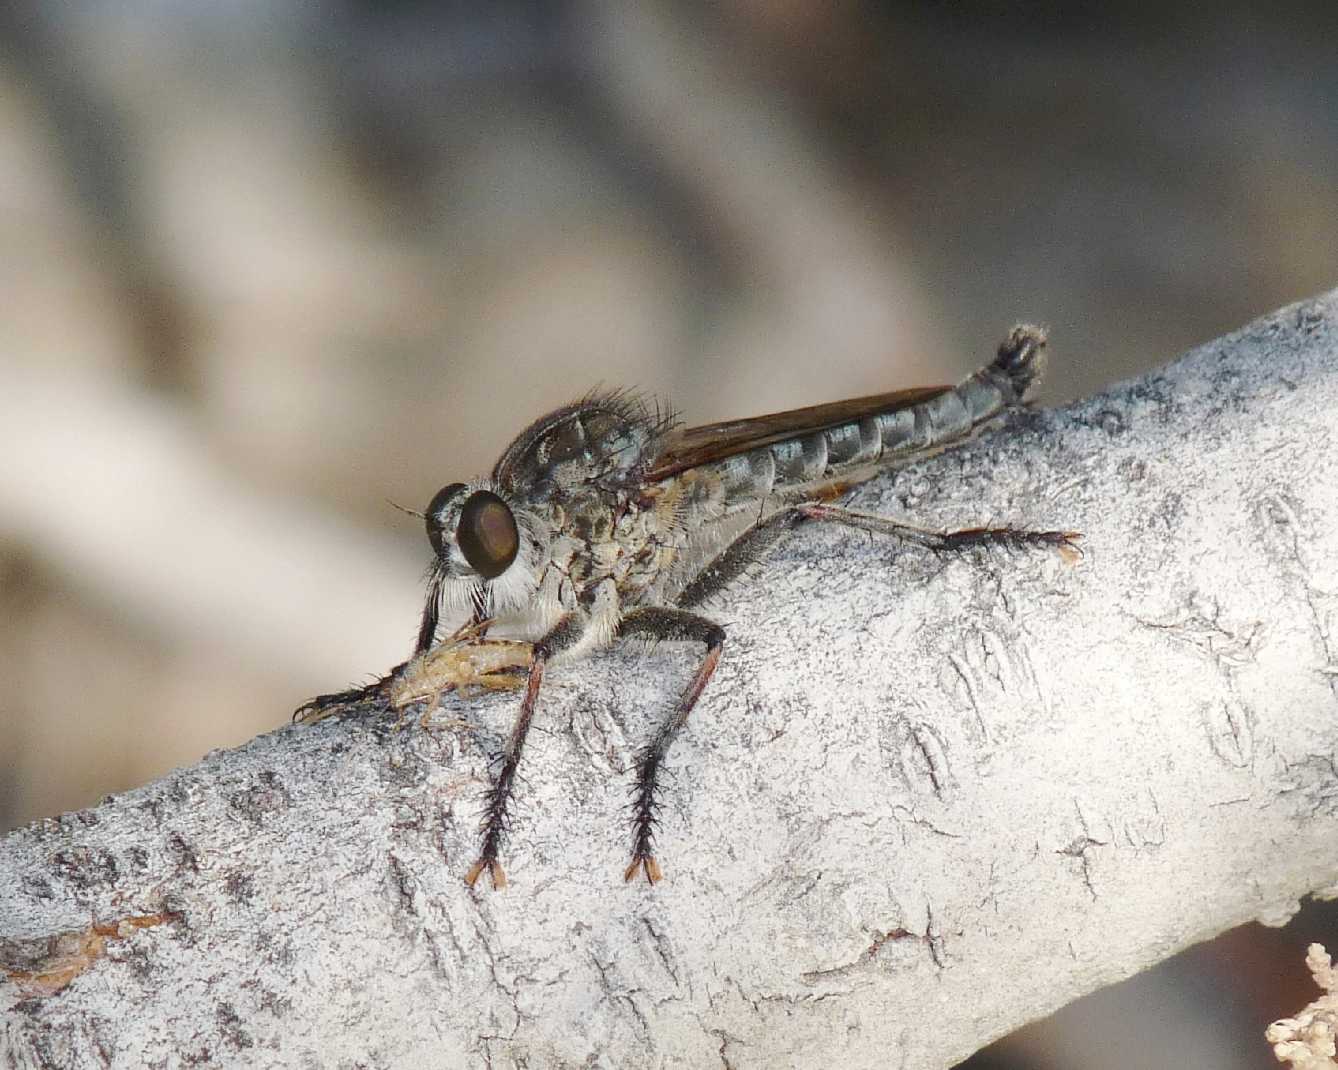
{"x": 925, "y": 800}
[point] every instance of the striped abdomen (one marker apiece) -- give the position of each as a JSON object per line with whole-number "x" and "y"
{"x": 871, "y": 433}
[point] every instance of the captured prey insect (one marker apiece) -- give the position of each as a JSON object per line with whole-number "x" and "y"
{"x": 604, "y": 520}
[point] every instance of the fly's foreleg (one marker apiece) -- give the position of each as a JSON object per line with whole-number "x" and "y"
{"x": 427, "y": 630}
{"x": 656, "y": 623}
{"x": 323, "y": 706}
{"x": 495, "y": 821}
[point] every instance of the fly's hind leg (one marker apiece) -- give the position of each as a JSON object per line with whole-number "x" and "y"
{"x": 754, "y": 543}
{"x": 656, "y": 623}
{"x": 965, "y": 539}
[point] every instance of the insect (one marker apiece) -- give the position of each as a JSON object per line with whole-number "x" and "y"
{"x": 605, "y": 520}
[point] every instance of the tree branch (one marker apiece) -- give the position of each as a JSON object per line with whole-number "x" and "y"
{"x": 913, "y": 778}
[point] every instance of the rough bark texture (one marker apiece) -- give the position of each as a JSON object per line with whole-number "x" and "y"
{"x": 925, "y": 800}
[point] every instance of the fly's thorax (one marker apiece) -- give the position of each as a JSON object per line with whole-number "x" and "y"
{"x": 588, "y": 513}
{"x": 673, "y": 515}
{"x": 604, "y": 441}
{"x": 600, "y": 535}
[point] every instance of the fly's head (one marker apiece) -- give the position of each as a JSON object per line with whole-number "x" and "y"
{"x": 554, "y": 495}
{"x": 487, "y": 551}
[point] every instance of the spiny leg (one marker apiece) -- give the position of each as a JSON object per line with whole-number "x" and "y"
{"x": 563, "y": 635}
{"x": 499, "y": 792}
{"x": 656, "y": 622}
{"x": 750, "y": 546}
{"x": 963, "y": 539}
{"x": 323, "y": 706}
{"x": 427, "y": 630}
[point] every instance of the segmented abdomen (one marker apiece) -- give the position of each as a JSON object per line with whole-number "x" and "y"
{"x": 879, "y": 439}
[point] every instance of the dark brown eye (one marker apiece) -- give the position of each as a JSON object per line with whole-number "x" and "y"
{"x": 436, "y": 509}
{"x": 487, "y": 534}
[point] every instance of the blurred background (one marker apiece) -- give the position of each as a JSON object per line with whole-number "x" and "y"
{"x": 266, "y": 268}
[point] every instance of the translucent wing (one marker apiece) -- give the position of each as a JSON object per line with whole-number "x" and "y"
{"x": 693, "y": 446}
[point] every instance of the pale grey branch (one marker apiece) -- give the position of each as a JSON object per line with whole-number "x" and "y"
{"x": 925, "y": 800}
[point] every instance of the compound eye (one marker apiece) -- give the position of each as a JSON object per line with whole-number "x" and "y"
{"x": 487, "y": 534}
{"x": 436, "y": 509}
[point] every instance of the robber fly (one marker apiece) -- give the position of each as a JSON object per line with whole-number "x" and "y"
{"x": 605, "y": 520}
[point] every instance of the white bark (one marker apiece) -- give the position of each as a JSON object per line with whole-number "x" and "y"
{"x": 924, "y": 801}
